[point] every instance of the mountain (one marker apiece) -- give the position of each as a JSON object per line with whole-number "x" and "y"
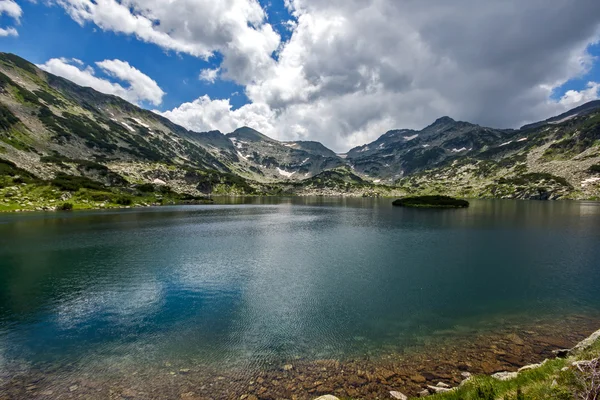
{"x": 403, "y": 152}
{"x": 60, "y": 140}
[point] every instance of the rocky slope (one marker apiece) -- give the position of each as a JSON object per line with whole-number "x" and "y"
{"x": 52, "y": 129}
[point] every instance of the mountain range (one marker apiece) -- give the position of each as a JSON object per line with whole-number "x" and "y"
{"x": 54, "y": 130}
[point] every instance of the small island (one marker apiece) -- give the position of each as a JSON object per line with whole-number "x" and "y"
{"x": 431, "y": 202}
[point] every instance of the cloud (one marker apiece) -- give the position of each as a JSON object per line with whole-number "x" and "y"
{"x": 573, "y": 98}
{"x": 140, "y": 86}
{"x": 235, "y": 28}
{"x": 10, "y": 8}
{"x": 14, "y": 11}
{"x": 204, "y": 114}
{"x": 8, "y": 32}
{"x": 353, "y": 69}
{"x": 209, "y": 75}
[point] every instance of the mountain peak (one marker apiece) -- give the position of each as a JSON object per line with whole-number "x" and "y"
{"x": 248, "y": 133}
{"x": 444, "y": 120}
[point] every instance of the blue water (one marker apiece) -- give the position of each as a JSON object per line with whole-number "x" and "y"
{"x": 266, "y": 280}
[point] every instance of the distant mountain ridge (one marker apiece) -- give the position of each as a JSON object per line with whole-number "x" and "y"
{"x": 45, "y": 117}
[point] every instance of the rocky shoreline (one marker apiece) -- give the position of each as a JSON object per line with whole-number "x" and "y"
{"x": 439, "y": 364}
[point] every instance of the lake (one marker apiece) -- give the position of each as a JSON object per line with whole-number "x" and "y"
{"x": 214, "y": 296}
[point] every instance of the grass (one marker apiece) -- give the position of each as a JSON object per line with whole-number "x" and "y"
{"x": 556, "y": 379}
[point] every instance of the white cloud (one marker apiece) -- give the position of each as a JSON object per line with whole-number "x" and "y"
{"x": 14, "y": 11}
{"x": 353, "y": 69}
{"x": 209, "y": 75}
{"x": 140, "y": 86}
{"x": 10, "y": 8}
{"x": 204, "y": 114}
{"x": 235, "y": 28}
{"x": 574, "y": 98}
{"x": 8, "y": 32}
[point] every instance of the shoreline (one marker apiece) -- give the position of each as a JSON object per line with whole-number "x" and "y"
{"x": 51, "y": 208}
{"x": 409, "y": 371}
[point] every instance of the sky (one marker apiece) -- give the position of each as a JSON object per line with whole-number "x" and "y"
{"x": 342, "y": 72}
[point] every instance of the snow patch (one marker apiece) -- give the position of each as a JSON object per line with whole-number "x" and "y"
{"x": 305, "y": 161}
{"x": 377, "y": 181}
{"x": 141, "y": 123}
{"x": 522, "y": 139}
{"x": 506, "y": 144}
{"x": 285, "y": 173}
{"x": 459, "y": 150}
{"x": 409, "y": 138}
{"x": 242, "y": 156}
{"x": 342, "y": 155}
{"x": 127, "y": 126}
{"x": 366, "y": 148}
{"x": 425, "y": 146}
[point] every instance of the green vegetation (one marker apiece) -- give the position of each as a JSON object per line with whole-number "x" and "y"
{"x": 533, "y": 178}
{"x": 556, "y": 379}
{"x": 73, "y": 183}
{"x": 65, "y": 207}
{"x": 595, "y": 169}
{"x": 7, "y": 118}
{"x": 431, "y": 202}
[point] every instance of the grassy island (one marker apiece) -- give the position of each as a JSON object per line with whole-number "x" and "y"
{"x": 431, "y": 202}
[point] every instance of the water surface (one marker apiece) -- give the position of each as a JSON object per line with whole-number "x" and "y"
{"x": 265, "y": 281}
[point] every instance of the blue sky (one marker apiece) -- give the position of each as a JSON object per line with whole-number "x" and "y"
{"x": 48, "y": 32}
{"x": 342, "y": 72}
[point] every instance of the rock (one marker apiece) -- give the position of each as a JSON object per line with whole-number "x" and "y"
{"x": 327, "y": 397}
{"x": 505, "y": 376}
{"x": 561, "y": 353}
{"x": 465, "y": 375}
{"x": 584, "y": 344}
{"x": 398, "y": 395}
{"x": 418, "y": 378}
{"x": 159, "y": 182}
{"x": 184, "y": 371}
{"x": 529, "y": 367}
{"x": 443, "y": 385}
{"x": 129, "y": 393}
{"x": 436, "y": 389}
{"x": 288, "y": 367}
{"x": 73, "y": 388}
{"x": 424, "y": 393}
{"x": 386, "y": 374}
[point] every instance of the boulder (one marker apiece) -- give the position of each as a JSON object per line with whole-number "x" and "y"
{"x": 327, "y": 397}
{"x": 437, "y": 389}
{"x": 398, "y": 395}
{"x": 505, "y": 376}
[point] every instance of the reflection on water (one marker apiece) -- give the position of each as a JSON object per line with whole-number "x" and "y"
{"x": 266, "y": 280}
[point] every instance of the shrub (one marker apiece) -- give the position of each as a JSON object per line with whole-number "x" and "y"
{"x": 74, "y": 183}
{"x": 65, "y": 207}
{"x": 124, "y": 200}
